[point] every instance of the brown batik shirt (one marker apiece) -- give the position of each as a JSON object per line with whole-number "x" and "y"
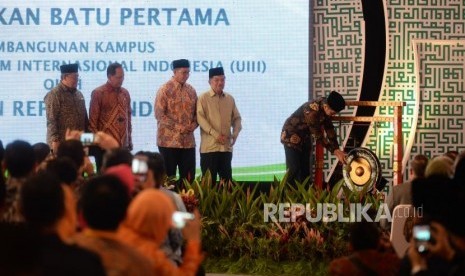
{"x": 110, "y": 112}
{"x": 175, "y": 111}
{"x": 65, "y": 108}
{"x": 308, "y": 122}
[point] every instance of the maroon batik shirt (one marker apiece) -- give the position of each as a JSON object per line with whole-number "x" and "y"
{"x": 110, "y": 112}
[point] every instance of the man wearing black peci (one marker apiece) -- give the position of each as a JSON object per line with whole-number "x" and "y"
{"x": 310, "y": 122}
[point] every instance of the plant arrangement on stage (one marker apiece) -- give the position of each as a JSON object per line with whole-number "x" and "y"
{"x": 237, "y": 238}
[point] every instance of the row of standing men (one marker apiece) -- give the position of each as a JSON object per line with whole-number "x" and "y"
{"x": 178, "y": 112}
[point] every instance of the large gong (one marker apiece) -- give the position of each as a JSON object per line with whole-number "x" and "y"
{"x": 362, "y": 169}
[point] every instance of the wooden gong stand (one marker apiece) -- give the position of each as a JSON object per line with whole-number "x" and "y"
{"x": 396, "y": 119}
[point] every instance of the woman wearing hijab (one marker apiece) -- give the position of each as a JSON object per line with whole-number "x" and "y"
{"x": 146, "y": 226}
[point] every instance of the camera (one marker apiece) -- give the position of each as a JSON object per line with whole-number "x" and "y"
{"x": 87, "y": 138}
{"x": 180, "y": 218}
{"x": 94, "y": 163}
{"x": 139, "y": 169}
{"x": 422, "y": 237}
{"x": 139, "y": 166}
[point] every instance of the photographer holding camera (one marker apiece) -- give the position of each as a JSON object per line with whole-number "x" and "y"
{"x": 443, "y": 253}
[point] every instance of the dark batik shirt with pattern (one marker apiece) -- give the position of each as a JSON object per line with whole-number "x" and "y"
{"x": 65, "y": 108}
{"x": 175, "y": 111}
{"x": 110, "y": 112}
{"x": 308, "y": 122}
{"x": 11, "y": 211}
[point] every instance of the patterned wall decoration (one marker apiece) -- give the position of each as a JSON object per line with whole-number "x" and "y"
{"x": 338, "y": 56}
{"x": 441, "y": 75}
{"x": 410, "y": 20}
{"x": 430, "y": 80}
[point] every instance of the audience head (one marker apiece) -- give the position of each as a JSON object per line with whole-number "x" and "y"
{"x": 72, "y": 149}
{"x": 418, "y": 165}
{"x": 452, "y": 213}
{"x": 364, "y": 235}
{"x": 19, "y": 158}
{"x": 459, "y": 169}
{"x": 116, "y": 157}
{"x": 42, "y": 200}
{"x": 448, "y": 197}
{"x": 41, "y": 151}
{"x": 64, "y": 168}
{"x": 124, "y": 174}
{"x": 440, "y": 166}
{"x": 452, "y": 154}
{"x": 431, "y": 194}
{"x": 442, "y": 202}
{"x": 156, "y": 165}
{"x": 150, "y": 215}
{"x": 104, "y": 202}
{"x": 19, "y": 250}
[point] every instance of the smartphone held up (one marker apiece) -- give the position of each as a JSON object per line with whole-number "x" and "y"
{"x": 87, "y": 138}
{"x": 180, "y": 219}
{"x": 422, "y": 237}
{"x": 139, "y": 168}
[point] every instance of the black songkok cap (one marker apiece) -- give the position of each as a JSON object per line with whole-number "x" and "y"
{"x": 69, "y": 68}
{"x": 180, "y": 63}
{"x": 218, "y": 71}
{"x": 336, "y": 101}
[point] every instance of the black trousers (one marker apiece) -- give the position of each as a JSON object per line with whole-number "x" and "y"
{"x": 182, "y": 158}
{"x": 299, "y": 164}
{"x": 217, "y": 163}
